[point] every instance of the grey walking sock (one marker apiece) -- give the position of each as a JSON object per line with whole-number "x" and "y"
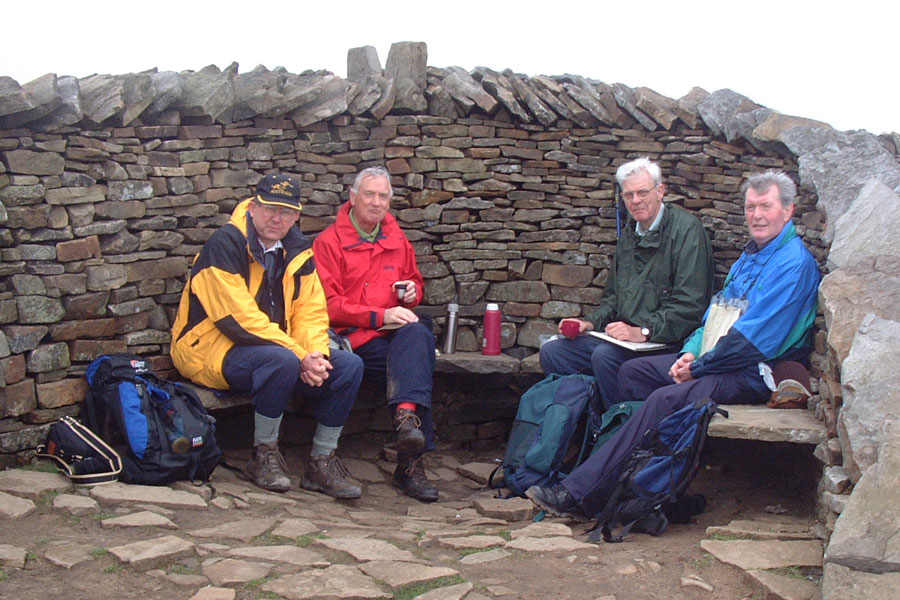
{"x": 325, "y": 440}
{"x": 265, "y": 429}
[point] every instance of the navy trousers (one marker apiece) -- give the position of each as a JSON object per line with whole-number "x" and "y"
{"x": 648, "y": 379}
{"x": 405, "y": 358}
{"x": 587, "y": 355}
{"x": 271, "y": 374}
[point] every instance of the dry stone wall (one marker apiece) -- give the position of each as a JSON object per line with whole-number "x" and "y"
{"x": 504, "y": 184}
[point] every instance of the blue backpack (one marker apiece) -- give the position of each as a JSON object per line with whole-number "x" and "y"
{"x": 650, "y": 491}
{"x": 160, "y": 428}
{"x": 547, "y": 417}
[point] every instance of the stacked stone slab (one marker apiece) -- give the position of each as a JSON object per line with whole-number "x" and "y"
{"x": 504, "y": 183}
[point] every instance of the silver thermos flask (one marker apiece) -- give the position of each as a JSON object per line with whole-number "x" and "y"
{"x": 450, "y": 328}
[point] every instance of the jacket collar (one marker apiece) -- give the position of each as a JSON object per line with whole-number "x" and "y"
{"x": 788, "y": 232}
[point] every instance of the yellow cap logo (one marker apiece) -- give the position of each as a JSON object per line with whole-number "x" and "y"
{"x": 282, "y": 187}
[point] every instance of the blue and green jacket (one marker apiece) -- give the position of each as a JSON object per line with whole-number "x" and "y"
{"x": 780, "y": 282}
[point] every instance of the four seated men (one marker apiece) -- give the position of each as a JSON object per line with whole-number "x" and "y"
{"x": 259, "y": 299}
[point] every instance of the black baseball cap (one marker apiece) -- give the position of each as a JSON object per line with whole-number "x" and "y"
{"x": 279, "y": 190}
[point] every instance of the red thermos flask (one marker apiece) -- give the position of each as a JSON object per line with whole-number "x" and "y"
{"x": 490, "y": 343}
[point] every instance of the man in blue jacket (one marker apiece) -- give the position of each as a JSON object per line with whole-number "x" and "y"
{"x": 764, "y": 315}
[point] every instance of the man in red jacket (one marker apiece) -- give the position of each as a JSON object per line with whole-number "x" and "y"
{"x": 369, "y": 273}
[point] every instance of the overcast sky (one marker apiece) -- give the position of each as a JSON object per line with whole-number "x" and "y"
{"x": 826, "y": 60}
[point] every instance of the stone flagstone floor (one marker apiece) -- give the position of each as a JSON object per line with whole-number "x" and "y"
{"x": 230, "y": 540}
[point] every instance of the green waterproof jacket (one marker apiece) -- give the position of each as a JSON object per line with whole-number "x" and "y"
{"x": 662, "y": 281}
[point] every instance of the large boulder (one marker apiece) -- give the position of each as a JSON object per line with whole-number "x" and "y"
{"x": 864, "y": 233}
{"x": 207, "y": 93}
{"x": 43, "y": 96}
{"x": 407, "y": 66}
{"x": 867, "y": 534}
{"x": 871, "y": 394}
{"x": 838, "y": 165}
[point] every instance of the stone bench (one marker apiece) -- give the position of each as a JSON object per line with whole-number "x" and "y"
{"x": 761, "y": 423}
{"x": 745, "y": 422}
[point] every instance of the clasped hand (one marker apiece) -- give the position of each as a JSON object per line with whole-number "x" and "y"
{"x": 314, "y": 369}
{"x": 681, "y": 368}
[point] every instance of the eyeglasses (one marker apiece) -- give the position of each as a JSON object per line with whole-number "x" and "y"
{"x": 641, "y": 194}
{"x": 280, "y": 212}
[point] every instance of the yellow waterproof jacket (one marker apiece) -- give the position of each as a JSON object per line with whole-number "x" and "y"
{"x": 219, "y": 306}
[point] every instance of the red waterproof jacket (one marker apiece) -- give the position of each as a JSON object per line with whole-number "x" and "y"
{"x": 358, "y": 276}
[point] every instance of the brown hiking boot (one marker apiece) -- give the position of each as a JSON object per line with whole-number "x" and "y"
{"x": 267, "y": 468}
{"x": 410, "y": 477}
{"x": 327, "y": 474}
{"x": 409, "y": 437}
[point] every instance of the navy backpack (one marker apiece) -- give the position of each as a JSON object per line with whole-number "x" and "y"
{"x": 650, "y": 491}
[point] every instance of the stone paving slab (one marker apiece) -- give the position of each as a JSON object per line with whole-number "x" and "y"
{"x": 784, "y": 588}
{"x": 472, "y": 541}
{"x": 181, "y": 579}
{"x": 75, "y": 504}
{"x": 759, "y": 422}
{"x": 144, "y": 518}
{"x": 238, "y": 490}
{"x": 214, "y": 593}
{"x": 31, "y": 484}
{"x": 363, "y": 549}
{"x": 799, "y": 529}
{"x": 243, "y": 530}
{"x": 548, "y": 544}
{"x": 67, "y": 553}
{"x": 117, "y": 493}
{"x": 294, "y": 528}
{"x": 482, "y": 557}
{"x": 292, "y": 555}
{"x": 270, "y": 498}
{"x": 542, "y": 529}
{"x": 148, "y": 554}
{"x": 766, "y": 554}
{"x": 401, "y": 574}
{"x": 479, "y": 472}
{"x": 449, "y": 592}
{"x": 509, "y": 509}
{"x": 12, "y": 556}
{"x": 337, "y": 581}
{"x": 13, "y": 507}
{"x": 231, "y": 571}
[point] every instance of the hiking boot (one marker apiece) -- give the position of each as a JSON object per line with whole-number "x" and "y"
{"x": 267, "y": 468}
{"x": 555, "y": 501}
{"x": 409, "y": 435}
{"x": 410, "y": 477}
{"x": 327, "y": 474}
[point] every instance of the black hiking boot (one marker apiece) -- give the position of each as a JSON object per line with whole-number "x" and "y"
{"x": 410, "y": 477}
{"x": 409, "y": 435}
{"x": 556, "y": 501}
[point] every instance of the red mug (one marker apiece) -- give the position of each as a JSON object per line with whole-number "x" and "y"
{"x": 570, "y": 328}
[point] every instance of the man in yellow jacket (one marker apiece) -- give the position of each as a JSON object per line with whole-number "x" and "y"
{"x": 253, "y": 318}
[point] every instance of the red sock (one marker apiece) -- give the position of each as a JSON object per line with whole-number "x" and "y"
{"x": 407, "y": 406}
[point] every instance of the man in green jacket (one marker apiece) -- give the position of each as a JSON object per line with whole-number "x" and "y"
{"x": 657, "y": 290}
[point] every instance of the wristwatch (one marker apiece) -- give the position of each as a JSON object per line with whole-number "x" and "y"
{"x": 645, "y": 331}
